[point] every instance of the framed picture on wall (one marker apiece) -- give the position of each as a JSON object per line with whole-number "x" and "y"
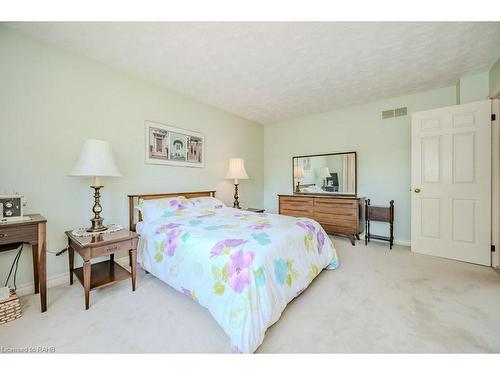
{"x": 174, "y": 146}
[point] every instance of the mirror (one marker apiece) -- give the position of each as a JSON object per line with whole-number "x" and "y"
{"x": 325, "y": 174}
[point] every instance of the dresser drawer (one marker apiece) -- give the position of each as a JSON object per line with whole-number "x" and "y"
{"x": 340, "y": 229}
{"x": 111, "y": 248}
{"x": 335, "y": 204}
{"x": 347, "y": 212}
{"x": 27, "y": 233}
{"x": 297, "y": 213}
{"x": 296, "y": 204}
{"x": 342, "y": 220}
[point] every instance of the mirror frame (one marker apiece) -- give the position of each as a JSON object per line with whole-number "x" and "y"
{"x": 329, "y": 194}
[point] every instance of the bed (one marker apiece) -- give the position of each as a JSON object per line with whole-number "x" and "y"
{"x": 244, "y": 267}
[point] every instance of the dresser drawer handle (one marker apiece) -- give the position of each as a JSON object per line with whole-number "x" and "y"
{"x": 2, "y": 235}
{"x": 111, "y": 248}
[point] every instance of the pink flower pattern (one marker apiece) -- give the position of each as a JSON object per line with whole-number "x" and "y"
{"x": 321, "y": 240}
{"x": 239, "y": 270}
{"x": 221, "y": 245}
{"x": 178, "y": 205}
{"x": 260, "y": 226}
{"x": 167, "y": 227}
{"x": 170, "y": 241}
{"x": 307, "y": 226}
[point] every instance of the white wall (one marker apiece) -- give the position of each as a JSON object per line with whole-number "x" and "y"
{"x": 51, "y": 101}
{"x": 474, "y": 87}
{"x": 494, "y": 79}
{"x": 382, "y": 146}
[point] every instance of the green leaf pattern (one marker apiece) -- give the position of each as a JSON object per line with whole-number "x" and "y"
{"x": 220, "y": 278}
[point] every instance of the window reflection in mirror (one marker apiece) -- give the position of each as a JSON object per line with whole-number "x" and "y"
{"x": 325, "y": 174}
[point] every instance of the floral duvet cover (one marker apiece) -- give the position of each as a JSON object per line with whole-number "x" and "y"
{"x": 244, "y": 267}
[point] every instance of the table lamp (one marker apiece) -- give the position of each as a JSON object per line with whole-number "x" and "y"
{"x": 96, "y": 161}
{"x": 298, "y": 173}
{"x": 237, "y": 172}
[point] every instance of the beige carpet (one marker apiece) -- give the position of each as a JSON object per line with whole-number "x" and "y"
{"x": 377, "y": 301}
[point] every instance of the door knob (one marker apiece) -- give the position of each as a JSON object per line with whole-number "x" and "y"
{"x": 417, "y": 190}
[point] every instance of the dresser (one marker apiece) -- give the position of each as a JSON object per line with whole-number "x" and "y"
{"x": 336, "y": 214}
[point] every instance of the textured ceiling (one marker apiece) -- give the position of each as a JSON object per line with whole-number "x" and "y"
{"x": 269, "y": 72}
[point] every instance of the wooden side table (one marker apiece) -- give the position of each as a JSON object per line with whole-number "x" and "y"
{"x": 98, "y": 275}
{"x": 31, "y": 232}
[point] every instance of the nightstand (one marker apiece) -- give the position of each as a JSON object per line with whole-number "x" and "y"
{"x": 98, "y": 275}
{"x": 258, "y": 210}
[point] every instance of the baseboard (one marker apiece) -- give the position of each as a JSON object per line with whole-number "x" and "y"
{"x": 61, "y": 279}
{"x": 403, "y": 243}
{"x": 123, "y": 261}
{"x": 52, "y": 281}
{"x": 396, "y": 241}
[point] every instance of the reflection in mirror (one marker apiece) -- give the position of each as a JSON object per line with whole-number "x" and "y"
{"x": 325, "y": 174}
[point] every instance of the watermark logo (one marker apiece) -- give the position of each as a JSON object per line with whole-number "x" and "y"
{"x": 27, "y": 349}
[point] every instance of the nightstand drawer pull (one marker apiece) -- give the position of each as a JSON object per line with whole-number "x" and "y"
{"x": 111, "y": 248}
{"x": 2, "y": 235}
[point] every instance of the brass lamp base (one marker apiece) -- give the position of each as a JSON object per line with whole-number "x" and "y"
{"x": 236, "y": 203}
{"x": 97, "y": 225}
{"x": 97, "y": 220}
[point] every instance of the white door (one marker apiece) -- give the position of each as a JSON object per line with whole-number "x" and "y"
{"x": 451, "y": 182}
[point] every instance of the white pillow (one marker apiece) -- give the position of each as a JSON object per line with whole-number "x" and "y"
{"x": 152, "y": 209}
{"x": 207, "y": 203}
{"x": 311, "y": 189}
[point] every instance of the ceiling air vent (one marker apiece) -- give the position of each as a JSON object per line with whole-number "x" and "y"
{"x": 387, "y": 114}
{"x": 390, "y": 113}
{"x": 400, "y": 112}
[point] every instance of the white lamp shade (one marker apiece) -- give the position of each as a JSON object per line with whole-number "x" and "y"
{"x": 326, "y": 172}
{"x": 236, "y": 169}
{"x": 96, "y": 159}
{"x": 298, "y": 171}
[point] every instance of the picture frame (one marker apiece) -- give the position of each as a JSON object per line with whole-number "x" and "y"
{"x": 169, "y": 145}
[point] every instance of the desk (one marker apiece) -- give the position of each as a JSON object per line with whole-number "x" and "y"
{"x": 32, "y": 232}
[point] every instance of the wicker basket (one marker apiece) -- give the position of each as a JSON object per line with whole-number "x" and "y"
{"x": 10, "y": 308}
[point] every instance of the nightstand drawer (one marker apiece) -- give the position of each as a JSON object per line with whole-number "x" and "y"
{"x": 24, "y": 233}
{"x": 112, "y": 248}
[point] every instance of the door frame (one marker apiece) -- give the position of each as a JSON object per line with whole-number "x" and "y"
{"x": 495, "y": 182}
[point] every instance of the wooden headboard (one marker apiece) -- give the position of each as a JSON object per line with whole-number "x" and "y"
{"x": 133, "y": 200}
